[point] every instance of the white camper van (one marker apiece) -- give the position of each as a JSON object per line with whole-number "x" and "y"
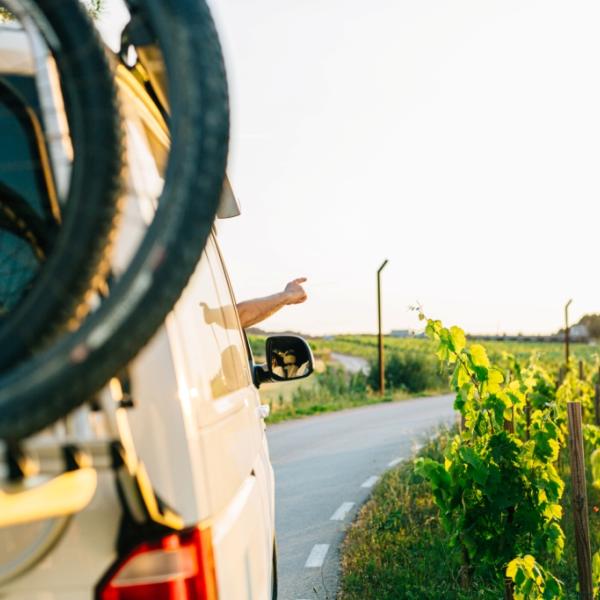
{"x": 161, "y": 487}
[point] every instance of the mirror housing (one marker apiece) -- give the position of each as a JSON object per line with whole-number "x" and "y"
{"x": 228, "y": 204}
{"x": 289, "y": 357}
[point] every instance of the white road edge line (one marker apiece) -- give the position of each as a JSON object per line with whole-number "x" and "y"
{"x": 342, "y": 511}
{"x": 394, "y": 462}
{"x": 369, "y": 483}
{"x": 317, "y": 556}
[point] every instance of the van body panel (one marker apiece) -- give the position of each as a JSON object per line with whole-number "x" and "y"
{"x": 158, "y": 423}
{"x": 238, "y": 540}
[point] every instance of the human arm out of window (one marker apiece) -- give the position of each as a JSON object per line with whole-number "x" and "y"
{"x": 254, "y": 311}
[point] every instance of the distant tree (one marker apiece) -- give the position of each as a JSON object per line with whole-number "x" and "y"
{"x": 592, "y": 322}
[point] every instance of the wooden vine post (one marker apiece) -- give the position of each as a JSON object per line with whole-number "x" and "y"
{"x": 597, "y": 399}
{"x": 509, "y": 425}
{"x": 509, "y": 589}
{"x": 579, "y": 497}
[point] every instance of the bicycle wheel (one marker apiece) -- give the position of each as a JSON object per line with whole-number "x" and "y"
{"x": 37, "y": 392}
{"x": 45, "y": 294}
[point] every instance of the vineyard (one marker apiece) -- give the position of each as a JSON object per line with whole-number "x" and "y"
{"x": 506, "y": 494}
{"x": 365, "y": 346}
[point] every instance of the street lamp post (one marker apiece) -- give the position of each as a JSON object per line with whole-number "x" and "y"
{"x": 567, "y": 334}
{"x": 381, "y": 375}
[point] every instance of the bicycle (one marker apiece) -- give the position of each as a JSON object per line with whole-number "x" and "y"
{"x": 72, "y": 366}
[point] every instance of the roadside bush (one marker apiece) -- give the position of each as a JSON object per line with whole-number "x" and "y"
{"x": 339, "y": 382}
{"x": 410, "y": 371}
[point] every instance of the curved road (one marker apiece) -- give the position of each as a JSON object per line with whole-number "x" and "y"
{"x": 325, "y": 468}
{"x": 352, "y": 364}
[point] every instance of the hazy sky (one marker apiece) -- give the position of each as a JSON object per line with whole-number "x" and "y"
{"x": 459, "y": 139}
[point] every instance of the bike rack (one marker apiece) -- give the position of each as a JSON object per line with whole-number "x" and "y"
{"x": 30, "y": 497}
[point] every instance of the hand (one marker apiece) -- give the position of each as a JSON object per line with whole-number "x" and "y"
{"x": 295, "y": 292}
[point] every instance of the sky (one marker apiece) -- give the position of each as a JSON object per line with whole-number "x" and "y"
{"x": 459, "y": 140}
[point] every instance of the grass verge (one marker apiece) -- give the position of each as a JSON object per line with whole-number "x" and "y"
{"x": 332, "y": 390}
{"x": 306, "y": 404}
{"x": 397, "y": 548}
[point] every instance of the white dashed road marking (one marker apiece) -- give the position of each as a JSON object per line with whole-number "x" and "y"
{"x": 370, "y": 482}
{"x": 342, "y": 511}
{"x": 317, "y": 556}
{"x": 394, "y": 462}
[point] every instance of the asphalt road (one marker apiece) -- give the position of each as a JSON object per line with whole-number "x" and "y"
{"x": 325, "y": 468}
{"x": 353, "y": 364}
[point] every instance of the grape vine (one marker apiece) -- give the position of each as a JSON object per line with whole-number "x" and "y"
{"x": 498, "y": 489}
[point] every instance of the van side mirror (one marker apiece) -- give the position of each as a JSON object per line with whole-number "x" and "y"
{"x": 288, "y": 357}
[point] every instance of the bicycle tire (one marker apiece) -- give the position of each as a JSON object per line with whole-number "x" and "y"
{"x": 79, "y": 253}
{"x": 39, "y": 391}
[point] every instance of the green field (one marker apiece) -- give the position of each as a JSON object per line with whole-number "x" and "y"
{"x": 412, "y": 370}
{"x": 330, "y": 388}
{"x": 365, "y": 346}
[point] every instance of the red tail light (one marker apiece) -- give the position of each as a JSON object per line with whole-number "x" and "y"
{"x": 179, "y": 566}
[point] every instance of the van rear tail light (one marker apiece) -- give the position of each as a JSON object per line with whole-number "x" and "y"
{"x": 179, "y": 566}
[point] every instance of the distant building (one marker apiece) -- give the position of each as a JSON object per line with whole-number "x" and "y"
{"x": 404, "y": 333}
{"x": 400, "y": 333}
{"x": 579, "y": 333}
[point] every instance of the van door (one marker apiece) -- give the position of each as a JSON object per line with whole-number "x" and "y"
{"x": 225, "y": 402}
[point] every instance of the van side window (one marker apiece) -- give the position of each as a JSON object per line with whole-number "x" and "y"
{"x": 22, "y": 149}
{"x": 27, "y": 202}
{"x": 234, "y": 356}
{"x": 211, "y": 329}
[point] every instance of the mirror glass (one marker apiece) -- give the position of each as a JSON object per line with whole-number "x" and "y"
{"x": 288, "y": 357}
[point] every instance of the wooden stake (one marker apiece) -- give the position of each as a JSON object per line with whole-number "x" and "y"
{"x": 508, "y": 589}
{"x": 460, "y": 418}
{"x": 509, "y": 424}
{"x": 579, "y": 497}
{"x": 581, "y": 373}
{"x": 561, "y": 375}
{"x": 597, "y": 399}
{"x": 465, "y": 570}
